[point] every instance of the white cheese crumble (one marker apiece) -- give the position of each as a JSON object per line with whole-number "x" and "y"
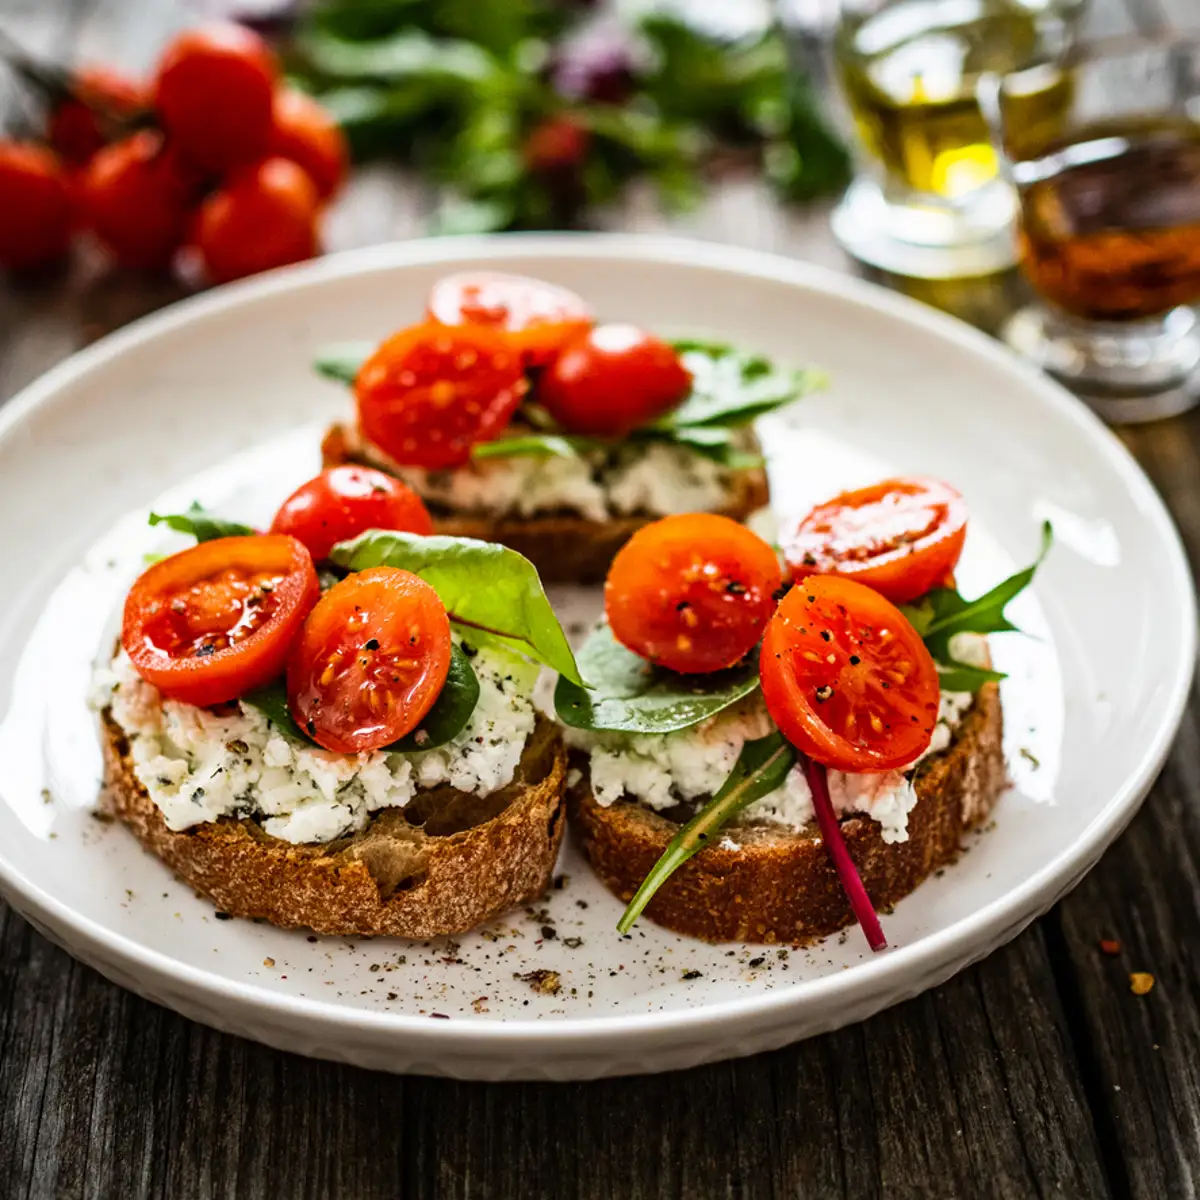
{"x": 199, "y": 765}
{"x": 655, "y": 478}
{"x": 661, "y": 770}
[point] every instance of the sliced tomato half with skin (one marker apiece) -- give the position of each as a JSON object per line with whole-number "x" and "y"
{"x": 537, "y": 317}
{"x": 429, "y": 393}
{"x": 370, "y": 662}
{"x": 846, "y": 678}
{"x": 211, "y": 623}
{"x": 902, "y": 537}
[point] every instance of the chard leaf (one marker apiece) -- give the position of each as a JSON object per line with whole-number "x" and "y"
{"x": 443, "y": 722}
{"x": 201, "y": 524}
{"x": 731, "y": 388}
{"x": 535, "y": 445}
{"x": 483, "y": 586}
{"x": 626, "y": 694}
{"x": 341, "y": 362}
{"x": 761, "y": 767}
{"x": 942, "y": 613}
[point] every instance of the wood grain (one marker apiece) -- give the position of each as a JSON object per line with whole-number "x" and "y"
{"x": 1036, "y": 1073}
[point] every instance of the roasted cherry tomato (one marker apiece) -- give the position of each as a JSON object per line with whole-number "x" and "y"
{"x": 612, "y": 379}
{"x": 304, "y": 133}
{"x": 98, "y": 101}
{"x": 265, "y": 216}
{"x": 538, "y": 317}
{"x": 345, "y": 501}
{"x": 214, "y": 93}
{"x": 370, "y": 662}
{"x": 35, "y": 203}
{"x": 136, "y": 202}
{"x": 901, "y": 537}
{"x": 430, "y": 393}
{"x": 692, "y": 592}
{"x": 847, "y": 678}
{"x": 210, "y": 623}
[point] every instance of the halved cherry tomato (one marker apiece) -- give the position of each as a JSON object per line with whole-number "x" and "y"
{"x": 213, "y": 93}
{"x": 208, "y": 624}
{"x": 304, "y": 133}
{"x": 371, "y": 660}
{"x": 847, "y": 678}
{"x": 430, "y": 393}
{"x": 901, "y": 537}
{"x": 345, "y": 501}
{"x": 612, "y": 379}
{"x": 692, "y": 592}
{"x": 538, "y": 317}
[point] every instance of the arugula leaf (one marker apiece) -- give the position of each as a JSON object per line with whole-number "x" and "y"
{"x": 944, "y": 612}
{"x": 442, "y": 723}
{"x": 535, "y": 445}
{"x": 626, "y": 694}
{"x": 201, "y": 524}
{"x": 483, "y": 586}
{"x": 761, "y": 767}
{"x": 731, "y": 387}
{"x": 342, "y": 361}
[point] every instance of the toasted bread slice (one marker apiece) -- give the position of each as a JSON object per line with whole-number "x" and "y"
{"x": 780, "y": 886}
{"x": 445, "y": 864}
{"x": 565, "y": 547}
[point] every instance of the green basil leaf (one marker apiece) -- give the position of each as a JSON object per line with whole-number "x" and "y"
{"x": 942, "y": 613}
{"x": 715, "y": 442}
{"x": 962, "y": 677}
{"x": 626, "y": 694}
{"x": 483, "y": 586}
{"x": 730, "y": 387}
{"x": 443, "y": 722}
{"x": 761, "y": 767}
{"x": 535, "y": 445}
{"x": 201, "y": 524}
{"x": 341, "y": 362}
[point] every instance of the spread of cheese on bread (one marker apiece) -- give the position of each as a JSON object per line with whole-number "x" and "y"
{"x": 663, "y": 770}
{"x": 642, "y": 478}
{"x": 198, "y": 765}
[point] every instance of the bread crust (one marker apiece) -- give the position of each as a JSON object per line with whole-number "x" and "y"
{"x": 782, "y": 887}
{"x": 393, "y": 879}
{"x": 565, "y": 547}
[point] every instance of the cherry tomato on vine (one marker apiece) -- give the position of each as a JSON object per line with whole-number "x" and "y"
{"x": 370, "y": 662}
{"x": 214, "y": 94}
{"x": 611, "y": 379}
{"x": 304, "y": 133}
{"x": 136, "y": 201}
{"x": 36, "y": 210}
{"x": 538, "y": 317}
{"x": 692, "y": 593}
{"x": 846, "y": 678}
{"x": 99, "y": 99}
{"x": 345, "y": 501}
{"x": 901, "y": 537}
{"x": 210, "y": 623}
{"x": 264, "y": 216}
{"x": 429, "y": 393}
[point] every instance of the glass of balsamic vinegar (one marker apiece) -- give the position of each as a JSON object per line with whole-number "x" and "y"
{"x": 1109, "y": 235}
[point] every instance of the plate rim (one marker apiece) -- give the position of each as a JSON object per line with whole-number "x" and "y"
{"x": 987, "y": 927}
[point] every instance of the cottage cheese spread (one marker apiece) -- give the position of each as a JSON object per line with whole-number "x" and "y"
{"x": 198, "y": 765}
{"x": 661, "y": 770}
{"x": 655, "y": 478}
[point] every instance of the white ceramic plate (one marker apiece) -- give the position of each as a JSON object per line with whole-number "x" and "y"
{"x": 214, "y": 399}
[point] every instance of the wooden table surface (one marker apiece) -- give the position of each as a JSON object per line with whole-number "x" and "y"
{"x": 1035, "y": 1073}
